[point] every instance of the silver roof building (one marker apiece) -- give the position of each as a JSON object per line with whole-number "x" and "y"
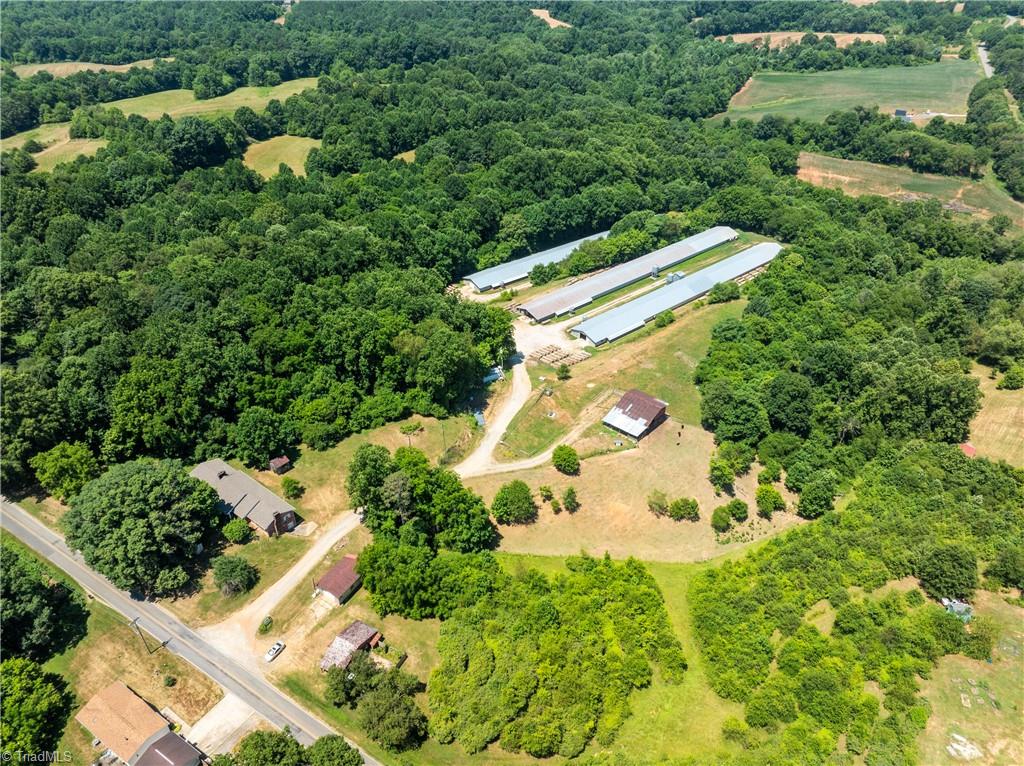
{"x": 631, "y": 316}
{"x": 581, "y": 293}
{"x": 513, "y": 271}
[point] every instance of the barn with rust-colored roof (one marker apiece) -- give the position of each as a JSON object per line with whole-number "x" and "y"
{"x": 356, "y": 637}
{"x": 341, "y": 580}
{"x": 636, "y": 413}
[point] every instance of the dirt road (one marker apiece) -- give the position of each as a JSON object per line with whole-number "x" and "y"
{"x": 238, "y": 632}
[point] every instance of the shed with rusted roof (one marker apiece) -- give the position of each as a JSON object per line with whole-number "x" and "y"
{"x": 636, "y": 413}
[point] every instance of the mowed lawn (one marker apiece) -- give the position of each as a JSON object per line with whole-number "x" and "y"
{"x": 981, "y": 701}
{"x": 986, "y": 197}
{"x": 266, "y": 156}
{"x": 941, "y": 87}
{"x": 997, "y": 431}
{"x": 660, "y": 361}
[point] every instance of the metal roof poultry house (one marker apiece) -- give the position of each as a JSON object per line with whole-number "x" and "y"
{"x": 513, "y": 271}
{"x": 631, "y": 316}
{"x": 572, "y": 297}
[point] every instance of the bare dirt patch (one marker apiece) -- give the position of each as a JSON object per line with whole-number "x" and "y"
{"x": 68, "y": 68}
{"x": 545, "y": 16}
{"x": 613, "y": 489}
{"x": 782, "y": 39}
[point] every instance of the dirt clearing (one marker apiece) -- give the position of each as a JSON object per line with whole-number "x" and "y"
{"x": 782, "y": 39}
{"x": 545, "y": 16}
{"x": 68, "y": 68}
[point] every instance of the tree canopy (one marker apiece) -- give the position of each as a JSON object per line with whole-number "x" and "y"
{"x": 140, "y": 522}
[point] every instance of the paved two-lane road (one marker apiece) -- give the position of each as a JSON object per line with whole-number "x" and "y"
{"x": 179, "y": 639}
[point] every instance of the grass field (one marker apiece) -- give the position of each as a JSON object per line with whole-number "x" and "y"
{"x": 613, "y": 516}
{"x": 981, "y": 701}
{"x": 176, "y": 103}
{"x": 997, "y": 432}
{"x": 67, "y": 68}
{"x": 66, "y": 151}
{"x": 272, "y": 556}
{"x": 985, "y": 197}
{"x": 112, "y": 650}
{"x": 940, "y": 87}
{"x": 265, "y": 156}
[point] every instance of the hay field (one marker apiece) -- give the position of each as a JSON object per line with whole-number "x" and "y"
{"x": 179, "y": 102}
{"x": 782, "y": 39}
{"x": 939, "y": 88}
{"x": 68, "y": 68}
{"x": 854, "y": 177}
{"x": 265, "y": 156}
{"x": 67, "y": 150}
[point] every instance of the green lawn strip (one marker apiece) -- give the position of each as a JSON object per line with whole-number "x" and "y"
{"x": 667, "y": 372}
{"x": 272, "y": 556}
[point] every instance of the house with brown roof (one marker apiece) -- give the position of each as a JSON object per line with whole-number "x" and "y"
{"x": 340, "y": 581}
{"x": 636, "y": 413}
{"x": 133, "y": 731}
{"x": 244, "y": 497}
{"x": 357, "y": 637}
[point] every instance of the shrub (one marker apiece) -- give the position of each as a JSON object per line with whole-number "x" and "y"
{"x": 170, "y": 681}
{"x": 657, "y": 503}
{"x": 733, "y": 729}
{"x": 565, "y": 459}
{"x": 32, "y": 146}
{"x": 346, "y": 685}
{"x": 546, "y": 493}
{"x": 816, "y": 498}
{"x": 738, "y": 456}
{"x": 720, "y": 475}
{"x": 768, "y": 501}
{"x": 737, "y": 509}
{"x": 721, "y": 519}
{"x": 233, "y": 574}
{"x": 1008, "y": 567}
{"x": 948, "y": 571}
{"x": 292, "y": 489}
{"x": 684, "y": 508}
{"x": 556, "y": 506}
{"x": 724, "y": 292}
{"x": 563, "y": 372}
{"x": 771, "y": 472}
{"x": 237, "y": 531}
{"x": 514, "y": 504}
{"x": 1013, "y": 380}
{"x": 265, "y": 625}
{"x": 664, "y": 319}
{"x": 569, "y": 500}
